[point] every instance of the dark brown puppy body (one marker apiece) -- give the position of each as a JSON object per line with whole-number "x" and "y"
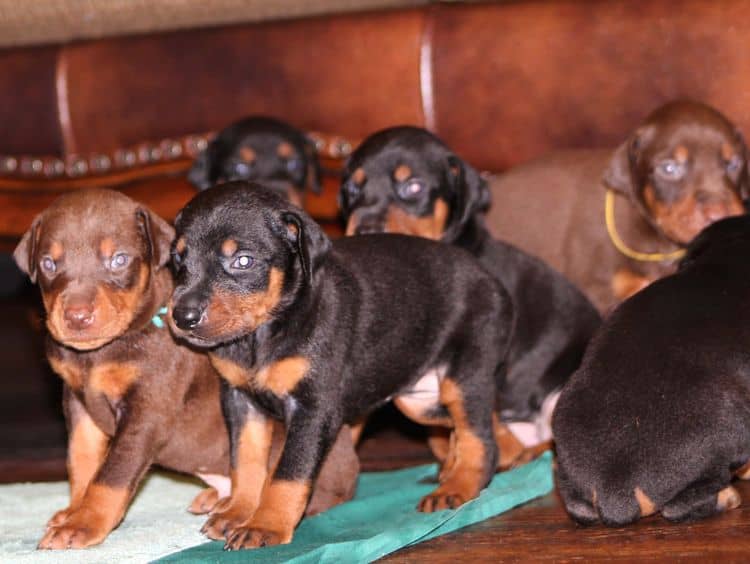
{"x": 656, "y": 420}
{"x": 318, "y": 334}
{"x": 260, "y": 149}
{"x": 133, "y": 397}
{"x": 405, "y": 180}
{"x": 682, "y": 169}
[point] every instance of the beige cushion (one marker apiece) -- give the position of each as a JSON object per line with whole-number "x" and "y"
{"x": 28, "y": 22}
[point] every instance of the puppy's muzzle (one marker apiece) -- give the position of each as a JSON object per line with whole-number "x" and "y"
{"x": 187, "y": 315}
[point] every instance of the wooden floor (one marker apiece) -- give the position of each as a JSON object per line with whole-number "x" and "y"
{"x": 32, "y": 447}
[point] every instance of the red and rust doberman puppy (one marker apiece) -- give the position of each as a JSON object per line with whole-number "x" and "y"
{"x": 406, "y": 180}
{"x": 657, "y": 419}
{"x": 318, "y": 333}
{"x": 133, "y": 396}
{"x": 613, "y": 222}
{"x": 260, "y": 149}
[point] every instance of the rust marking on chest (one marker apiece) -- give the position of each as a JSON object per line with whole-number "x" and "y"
{"x": 113, "y": 379}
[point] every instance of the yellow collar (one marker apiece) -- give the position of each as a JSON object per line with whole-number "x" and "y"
{"x": 609, "y": 218}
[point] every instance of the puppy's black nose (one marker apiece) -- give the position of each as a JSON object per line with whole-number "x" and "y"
{"x": 187, "y": 316}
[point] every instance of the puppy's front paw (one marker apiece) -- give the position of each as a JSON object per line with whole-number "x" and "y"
{"x": 80, "y": 529}
{"x": 437, "y": 501}
{"x": 59, "y": 518}
{"x": 205, "y": 502}
{"x": 226, "y": 519}
{"x": 252, "y": 535}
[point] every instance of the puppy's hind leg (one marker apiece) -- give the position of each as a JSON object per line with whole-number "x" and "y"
{"x": 473, "y": 452}
{"x": 701, "y": 499}
{"x": 580, "y": 509}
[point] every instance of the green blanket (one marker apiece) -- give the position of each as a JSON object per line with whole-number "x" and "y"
{"x": 381, "y": 519}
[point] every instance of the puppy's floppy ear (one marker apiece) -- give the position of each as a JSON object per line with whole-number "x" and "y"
{"x": 158, "y": 234}
{"x": 313, "y": 176}
{"x": 25, "y": 252}
{"x": 307, "y": 240}
{"x": 200, "y": 173}
{"x": 619, "y": 173}
{"x": 472, "y": 195}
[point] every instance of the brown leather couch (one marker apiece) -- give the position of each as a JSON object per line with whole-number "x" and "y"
{"x": 500, "y": 82}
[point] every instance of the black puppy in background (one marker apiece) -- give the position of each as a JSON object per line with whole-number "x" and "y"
{"x": 405, "y": 180}
{"x": 260, "y": 149}
{"x": 657, "y": 419}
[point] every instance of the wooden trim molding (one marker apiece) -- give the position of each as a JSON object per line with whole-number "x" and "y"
{"x": 147, "y": 159}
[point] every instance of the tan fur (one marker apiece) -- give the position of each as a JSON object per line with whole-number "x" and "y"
{"x": 283, "y": 504}
{"x": 727, "y": 152}
{"x": 285, "y": 150}
{"x": 180, "y": 245}
{"x": 56, "y": 250}
{"x": 461, "y": 478}
{"x": 230, "y": 313}
{"x": 402, "y": 173}
{"x": 728, "y": 498}
{"x": 113, "y": 379}
{"x": 283, "y": 376}
{"x": 681, "y": 154}
{"x": 100, "y": 511}
{"x": 280, "y": 377}
{"x": 114, "y": 311}
{"x": 625, "y": 283}
{"x": 232, "y": 372}
{"x": 359, "y": 176}
{"x": 70, "y": 373}
{"x": 647, "y": 506}
{"x": 430, "y": 227}
{"x": 87, "y": 447}
{"x": 228, "y": 247}
{"x": 247, "y": 154}
{"x": 107, "y": 247}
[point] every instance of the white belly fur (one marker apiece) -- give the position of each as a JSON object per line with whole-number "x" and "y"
{"x": 423, "y": 396}
{"x": 222, "y": 484}
{"x": 538, "y": 431}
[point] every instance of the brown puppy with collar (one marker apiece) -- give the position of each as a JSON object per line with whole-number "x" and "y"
{"x": 133, "y": 397}
{"x": 682, "y": 169}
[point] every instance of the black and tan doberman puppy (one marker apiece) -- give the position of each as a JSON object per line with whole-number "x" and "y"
{"x": 260, "y": 149}
{"x": 614, "y": 221}
{"x": 405, "y": 180}
{"x": 318, "y": 333}
{"x": 657, "y": 419}
{"x": 133, "y": 396}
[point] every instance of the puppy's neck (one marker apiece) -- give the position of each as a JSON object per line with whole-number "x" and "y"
{"x": 473, "y": 235}
{"x": 155, "y": 296}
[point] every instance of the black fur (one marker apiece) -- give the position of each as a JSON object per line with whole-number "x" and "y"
{"x": 370, "y": 314}
{"x": 553, "y": 322}
{"x": 221, "y": 162}
{"x": 662, "y": 399}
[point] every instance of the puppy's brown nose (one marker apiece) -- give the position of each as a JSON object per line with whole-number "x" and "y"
{"x": 79, "y": 316}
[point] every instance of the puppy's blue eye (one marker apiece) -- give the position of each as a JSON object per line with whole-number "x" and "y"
{"x": 241, "y": 169}
{"x": 242, "y": 262}
{"x": 671, "y": 170}
{"x": 119, "y": 261}
{"x": 734, "y": 164}
{"x": 293, "y": 165}
{"x": 48, "y": 265}
{"x": 411, "y": 189}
